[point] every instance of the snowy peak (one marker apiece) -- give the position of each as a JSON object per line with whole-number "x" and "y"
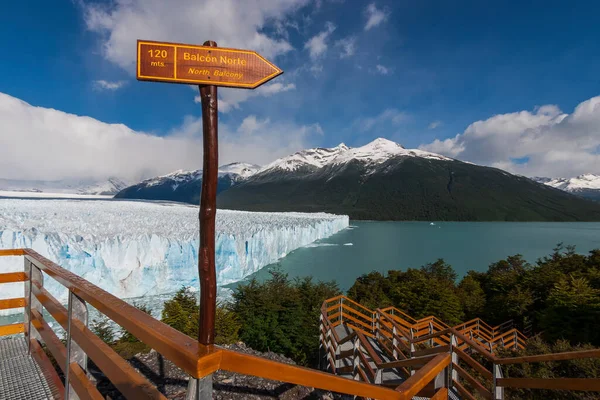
{"x": 373, "y": 153}
{"x": 317, "y": 157}
{"x": 244, "y": 170}
{"x": 237, "y": 171}
{"x": 581, "y": 182}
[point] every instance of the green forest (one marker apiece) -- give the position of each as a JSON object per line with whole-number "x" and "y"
{"x": 558, "y": 297}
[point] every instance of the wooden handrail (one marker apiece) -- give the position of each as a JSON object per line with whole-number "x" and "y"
{"x": 585, "y": 384}
{"x": 261, "y": 367}
{"x": 423, "y": 376}
{"x": 10, "y": 277}
{"x": 7, "y": 304}
{"x": 179, "y": 348}
{"x": 569, "y": 355}
{"x": 117, "y": 370}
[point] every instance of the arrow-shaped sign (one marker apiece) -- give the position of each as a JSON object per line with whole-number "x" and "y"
{"x": 203, "y": 65}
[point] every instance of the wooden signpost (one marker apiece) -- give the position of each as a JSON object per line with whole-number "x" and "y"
{"x": 209, "y": 67}
{"x": 203, "y": 65}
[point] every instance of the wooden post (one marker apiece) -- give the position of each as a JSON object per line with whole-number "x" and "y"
{"x": 208, "y": 210}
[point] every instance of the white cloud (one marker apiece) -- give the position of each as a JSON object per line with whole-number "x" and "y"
{"x": 230, "y": 99}
{"x": 317, "y": 45}
{"x": 375, "y": 16}
{"x": 390, "y": 115}
{"x": 101, "y": 85}
{"x": 230, "y": 23}
{"x": 47, "y": 144}
{"x": 435, "y": 124}
{"x": 383, "y": 70}
{"x": 347, "y": 46}
{"x": 545, "y": 142}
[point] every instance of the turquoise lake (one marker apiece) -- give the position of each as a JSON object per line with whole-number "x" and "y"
{"x": 382, "y": 246}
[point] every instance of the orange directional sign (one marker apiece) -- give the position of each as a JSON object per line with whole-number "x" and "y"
{"x": 184, "y": 63}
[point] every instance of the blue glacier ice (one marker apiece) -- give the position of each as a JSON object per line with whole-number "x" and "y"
{"x": 134, "y": 249}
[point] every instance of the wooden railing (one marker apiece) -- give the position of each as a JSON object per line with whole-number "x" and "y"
{"x": 413, "y": 345}
{"x": 197, "y": 360}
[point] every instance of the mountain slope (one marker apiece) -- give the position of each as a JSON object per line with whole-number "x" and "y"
{"x": 185, "y": 186}
{"x": 586, "y": 185}
{"x": 109, "y": 186}
{"x": 384, "y": 181}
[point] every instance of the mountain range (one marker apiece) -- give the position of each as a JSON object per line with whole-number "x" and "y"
{"x": 106, "y": 187}
{"x": 586, "y": 185}
{"x": 380, "y": 181}
{"x": 184, "y": 186}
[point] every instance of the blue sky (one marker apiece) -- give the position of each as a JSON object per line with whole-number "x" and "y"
{"x": 499, "y": 76}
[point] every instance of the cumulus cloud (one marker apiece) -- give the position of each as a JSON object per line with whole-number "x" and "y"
{"x": 47, "y": 144}
{"x": 230, "y": 99}
{"x": 317, "y": 45}
{"x": 101, "y": 85}
{"x": 542, "y": 142}
{"x": 230, "y": 23}
{"x": 375, "y": 16}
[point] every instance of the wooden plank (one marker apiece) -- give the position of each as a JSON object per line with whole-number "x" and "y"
{"x": 474, "y": 382}
{"x": 570, "y": 355}
{"x": 129, "y": 382}
{"x": 346, "y": 299}
{"x": 9, "y": 277}
{"x": 464, "y": 393}
{"x": 7, "y": 304}
{"x": 586, "y": 384}
{"x": 433, "y": 350}
{"x": 12, "y": 329}
{"x": 261, "y": 367}
{"x": 84, "y": 388}
{"x": 370, "y": 351}
{"x": 12, "y": 252}
{"x": 77, "y": 377}
{"x": 357, "y": 329}
{"x": 362, "y": 375}
{"x": 423, "y": 376}
{"x": 474, "y": 364}
{"x": 442, "y": 393}
{"x": 182, "y": 350}
{"x": 411, "y": 362}
{"x": 474, "y": 345}
{"x": 367, "y": 367}
{"x": 54, "y": 382}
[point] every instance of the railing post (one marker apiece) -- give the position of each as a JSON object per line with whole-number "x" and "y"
{"x": 199, "y": 389}
{"x": 453, "y": 376}
{"x": 378, "y": 326}
{"x": 412, "y": 349}
{"x": 497, "y": 391}
{"x": 341, "y": 309}
{"x": 516, "y": 337}
{"x": 431, "y": 332}
{"x": 394, "y": 342}
{"x": 355, "y": 359}
{"x": 77, "y": 309}
{"x": 33, "y": 274}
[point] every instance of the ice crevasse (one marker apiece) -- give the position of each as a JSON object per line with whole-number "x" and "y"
{"x": 134, "y": 249}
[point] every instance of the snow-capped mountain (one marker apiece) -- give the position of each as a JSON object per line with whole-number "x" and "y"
{"x": 382, "y": 180}
{"x": 372, "y": 154}
{"x": 184, "y": 186}
{"x": 109, "y": 186}
{"x": 586, "y": 185}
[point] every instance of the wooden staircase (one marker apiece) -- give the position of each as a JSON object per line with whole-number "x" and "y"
{"x": 426, "y": 357}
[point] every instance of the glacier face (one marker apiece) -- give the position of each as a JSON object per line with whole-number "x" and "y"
{"x": 134, "y": 249}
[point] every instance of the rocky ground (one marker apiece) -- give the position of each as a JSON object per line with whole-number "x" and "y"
{"x": 173, "y": 382}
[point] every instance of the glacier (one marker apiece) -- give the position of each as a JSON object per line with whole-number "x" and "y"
{"x": 136, "y": 249}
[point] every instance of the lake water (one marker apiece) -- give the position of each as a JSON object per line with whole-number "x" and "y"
{"x": 381, "y": 246}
